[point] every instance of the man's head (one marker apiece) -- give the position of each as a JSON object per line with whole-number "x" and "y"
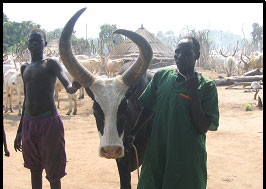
{"x": 186, "y": 54}
{"x": 37, "y": 40}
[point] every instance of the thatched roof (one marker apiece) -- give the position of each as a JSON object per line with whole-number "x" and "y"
{"x": 129, "y": 50}
{"x": 53, "y": 44}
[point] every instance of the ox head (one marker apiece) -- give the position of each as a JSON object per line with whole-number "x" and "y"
{"x": 17, "y": 78}
{"x": 107, "y": 93}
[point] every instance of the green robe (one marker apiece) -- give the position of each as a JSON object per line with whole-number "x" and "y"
{"x": 176, "y": 156}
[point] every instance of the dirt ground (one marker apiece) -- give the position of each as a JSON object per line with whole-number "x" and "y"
{"x": 235, "y": 151}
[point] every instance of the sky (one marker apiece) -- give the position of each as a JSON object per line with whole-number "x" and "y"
{"x": 232, "y": 17}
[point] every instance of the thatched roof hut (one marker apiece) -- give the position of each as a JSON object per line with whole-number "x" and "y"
{"x": 53, "y": 44}
{"x": 127, "y": 50}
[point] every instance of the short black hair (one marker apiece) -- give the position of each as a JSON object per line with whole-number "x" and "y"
{"x": 38, "y": 30}
{"x": 195, "y": 43}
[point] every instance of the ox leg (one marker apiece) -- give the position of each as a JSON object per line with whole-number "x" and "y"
{"x": 10, "y": 100}
{"x": 56, "y": 96}
{"x": 125, "y": 176}
{"x": 7, "y": 97}
{"x": 19, "y": 101}
{"x": 70, "y": 104}
{"x": 74, "y": 97}
{"x": 81, "y": 93}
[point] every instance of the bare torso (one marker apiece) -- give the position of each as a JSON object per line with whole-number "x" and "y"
{"x": 39, "y": 81}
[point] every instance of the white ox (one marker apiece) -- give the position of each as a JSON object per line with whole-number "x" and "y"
{"x": 110, "y": 100}
{"x": 229, "y": 63}
{"x": 13, "y": 82}
{"x": 112, "y": 67}
{"x": 9, "y": 62}
{"x": 71, "y": 97}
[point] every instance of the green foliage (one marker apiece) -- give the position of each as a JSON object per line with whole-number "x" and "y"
{"x": 55, "y": 34}
{"x": 15, "y": 33}
{"x": 257, "y": 36}
{"x": 5, "y": 18}
{"x": 107, "y": 40}
{"x": 248, "y": 106}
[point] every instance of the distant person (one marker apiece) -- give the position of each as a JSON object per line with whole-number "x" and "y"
{"x": 185, "y": 104}
{"x": 41, "y": 128}
{"x": 7, "y": 153}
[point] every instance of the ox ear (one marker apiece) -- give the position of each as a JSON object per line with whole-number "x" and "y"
{"x": 130, "y": 92}
{"x": 197, "y": 56}
{"x": 90, "y": 93}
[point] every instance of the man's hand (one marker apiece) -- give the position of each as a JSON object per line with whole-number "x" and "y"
{"x": 17, "y": 142}
{"x": 76, "y": 84}
{"x": 192, "y": 83}
{"x": 6, "y": 152}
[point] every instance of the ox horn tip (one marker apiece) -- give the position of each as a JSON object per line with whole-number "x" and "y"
{"x": 119, "y": 31}
{"x": 81, "y": 10}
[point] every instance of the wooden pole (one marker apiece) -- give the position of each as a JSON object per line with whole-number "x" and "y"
{"x": 86, "y": 31}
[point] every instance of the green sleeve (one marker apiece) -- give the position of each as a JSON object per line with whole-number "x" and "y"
{"x": 210, "y": 105}
{"x": 148, "y": 97}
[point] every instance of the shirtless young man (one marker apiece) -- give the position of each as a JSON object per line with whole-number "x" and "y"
{"x": 41, "y": 128}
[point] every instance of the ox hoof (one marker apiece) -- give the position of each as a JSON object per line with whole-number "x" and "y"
{"x": 68, "y": 113}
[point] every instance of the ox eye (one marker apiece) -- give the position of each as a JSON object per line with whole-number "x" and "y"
{"x": 122, "y": 107}
{"x": 121, "y": 116}
{"x": 99, "y": 116}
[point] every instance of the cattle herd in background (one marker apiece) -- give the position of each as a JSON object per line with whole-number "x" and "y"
{"x": 235, "y": 63}
{"x": 230, "y": 63}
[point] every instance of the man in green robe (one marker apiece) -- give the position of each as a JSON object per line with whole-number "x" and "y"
{"x": 185, "y": 104}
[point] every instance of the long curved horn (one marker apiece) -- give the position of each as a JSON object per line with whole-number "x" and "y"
{"x": 222, "y": 53}
{"x": 242, "y": 59}
{"x": 247, "y": 56}
{"x": 234, "y": 53}
{"x": 5, "y": 57}
{"x": 78, "y": 71}
{"x": 133, "y": 74}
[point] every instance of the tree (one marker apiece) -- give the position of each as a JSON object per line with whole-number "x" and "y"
{"x": 257, "y": 36}
{"x": 161, "y": 37}
{"x": 107, "y": 39}
{"x": 168, "y": 39}
{"x": 205, "y": 45}
{"x": 15, "y": 33}
{"x": 5, "y": 18}
{"x": 171, "y": 41}
{"x": 55, "y": 34}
